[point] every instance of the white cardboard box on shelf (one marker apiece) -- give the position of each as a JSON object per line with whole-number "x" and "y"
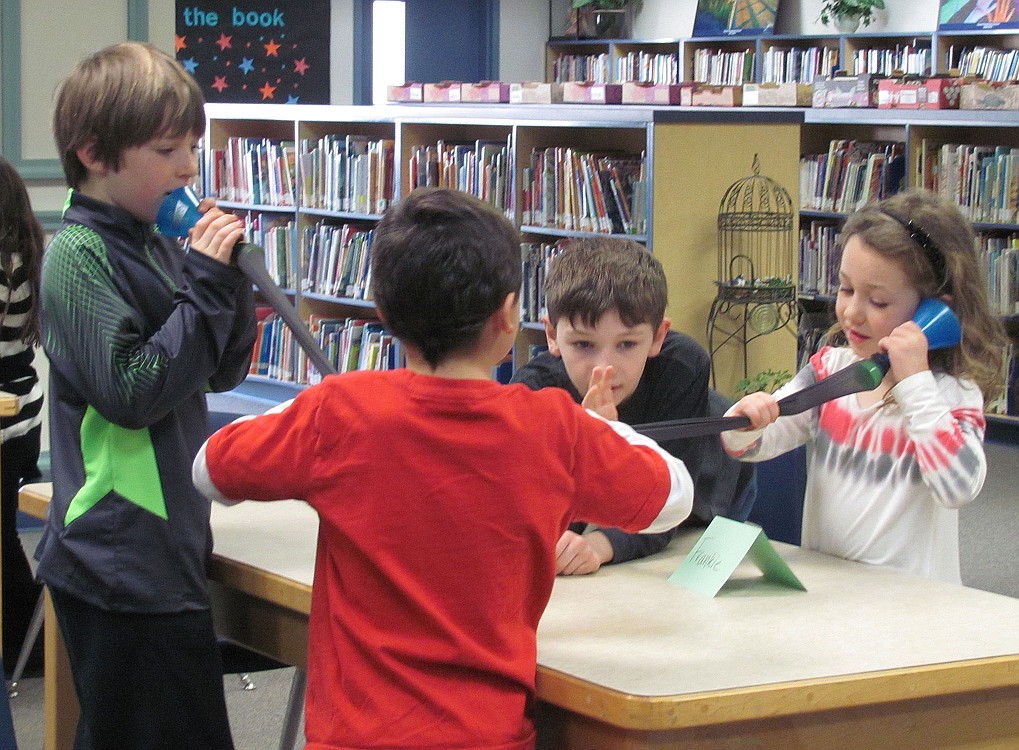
{"x": 408, "y": 92}
{"x": 777, "y": 94}
{"x": 585, "y": 92}
{"x": 487, "y": 92}
{"x": 443, "y": 91}
{"x": 636, "y": 92}
{"x": 535, "y": 92}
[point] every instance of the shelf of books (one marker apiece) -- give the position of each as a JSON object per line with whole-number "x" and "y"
{"x": 990, "y": 54}
{"x": 780, "y": 58}
{"x": 797, "y": 59}
{"x": 720, "y": 61}
{"x": 654, "y": 61}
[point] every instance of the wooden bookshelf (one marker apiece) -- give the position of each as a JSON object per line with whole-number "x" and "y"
{"x": 691, "y": 157}
{"x": 937, "y": 52}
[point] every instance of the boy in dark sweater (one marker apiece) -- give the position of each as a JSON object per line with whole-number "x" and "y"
{"x": 611, "y": 348}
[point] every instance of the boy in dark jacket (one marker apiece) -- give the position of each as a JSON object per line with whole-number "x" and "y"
{"x": 136, "y": 330}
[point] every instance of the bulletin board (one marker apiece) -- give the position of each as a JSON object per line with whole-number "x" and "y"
{"x": 256, "y": 51}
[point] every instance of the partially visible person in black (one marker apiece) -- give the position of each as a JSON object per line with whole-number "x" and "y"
{"x": 21, "y": 247}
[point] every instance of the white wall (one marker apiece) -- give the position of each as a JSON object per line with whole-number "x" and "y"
{"x": 524, "y": 27}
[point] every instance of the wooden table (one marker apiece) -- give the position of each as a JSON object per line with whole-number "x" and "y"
{"x": 9, "y": 406}
{"x": 866, "y": 658}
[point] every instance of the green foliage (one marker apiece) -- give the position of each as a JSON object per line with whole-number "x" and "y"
{"x": 716, "y": 8}
{"x": 768, "y": 381}
{"x": 832, "y": 9}
{"x": 604, "y": 4}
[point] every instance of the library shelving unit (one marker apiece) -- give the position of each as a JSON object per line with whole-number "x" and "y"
{"x": 691, "y": 156}
{"x": 854, "y": 53}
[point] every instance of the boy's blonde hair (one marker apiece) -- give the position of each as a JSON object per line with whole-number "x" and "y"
{"x": 123, "y": 96}
{"x": 595, "y": 275}
{"x": 946, "y": 232}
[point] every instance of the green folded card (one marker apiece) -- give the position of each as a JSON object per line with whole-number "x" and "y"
{"x": 720, "y": 550}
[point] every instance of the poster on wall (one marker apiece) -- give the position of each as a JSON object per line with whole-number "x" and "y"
{"x": 735, "y": 17}
{"x": 256, "y": 51}
{"x": 978, "y": 14}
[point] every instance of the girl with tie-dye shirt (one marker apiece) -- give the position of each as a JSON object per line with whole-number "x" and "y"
{"x": 888, "y": 469}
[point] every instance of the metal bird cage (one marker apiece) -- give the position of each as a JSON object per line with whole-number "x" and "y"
{"x": 756, "y": 263}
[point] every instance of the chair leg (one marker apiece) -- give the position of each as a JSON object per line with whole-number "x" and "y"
{"x": 26, "y": 647}
{"x": 295, "y": 710}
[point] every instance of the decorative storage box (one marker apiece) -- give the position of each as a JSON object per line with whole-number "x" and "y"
{"x": 443, "y": 91}
{"x": 920, "y": 93}
{"x": 989, "y": 95}
{"x": 635, "y": 92}
{"x": 535, "y": 92}
{"x": 777, "y": 94}
{"x": 584, "y": 92}
{"x": 488, "y": 92}
{"x": 846, "y": 91}
{"x": 702, "y": 95}
{"x": 408, "y": 92}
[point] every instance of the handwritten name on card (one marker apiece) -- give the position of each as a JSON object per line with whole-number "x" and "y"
{"x": 720, "y": 550}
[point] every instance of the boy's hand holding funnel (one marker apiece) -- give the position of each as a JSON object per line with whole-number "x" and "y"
{"x": 212, "y": 231}
{"x": 938, "y": 323}
{"x": 181, "y": 211}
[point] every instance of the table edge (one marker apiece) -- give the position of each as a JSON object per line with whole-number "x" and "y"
{"x": 773, "y": 700}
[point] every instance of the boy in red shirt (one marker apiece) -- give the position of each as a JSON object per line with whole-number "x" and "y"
{"x": 441, "y": 495}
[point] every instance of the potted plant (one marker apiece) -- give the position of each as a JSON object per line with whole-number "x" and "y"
{"x": 768, "y": 381}
{"x": 602, "y": 18}
{"x": 847, "y": 15}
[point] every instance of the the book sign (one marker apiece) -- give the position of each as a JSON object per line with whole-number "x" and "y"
{"x": 256, "y": 51}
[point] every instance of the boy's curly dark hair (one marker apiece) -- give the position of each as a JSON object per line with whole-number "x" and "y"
{"x": 442, "y": 263}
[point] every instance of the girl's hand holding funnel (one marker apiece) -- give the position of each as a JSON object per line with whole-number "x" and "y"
{"x": 937, "y": 322}
{"x": 211, "y": 231}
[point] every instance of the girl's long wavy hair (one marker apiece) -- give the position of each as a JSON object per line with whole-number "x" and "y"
{"x": 881, "y": 226}
{"x": 20, "y": 233}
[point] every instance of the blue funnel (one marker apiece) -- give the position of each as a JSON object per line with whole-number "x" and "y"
{"x": 178, "y": 212}
{"x": 938, "y": 323}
